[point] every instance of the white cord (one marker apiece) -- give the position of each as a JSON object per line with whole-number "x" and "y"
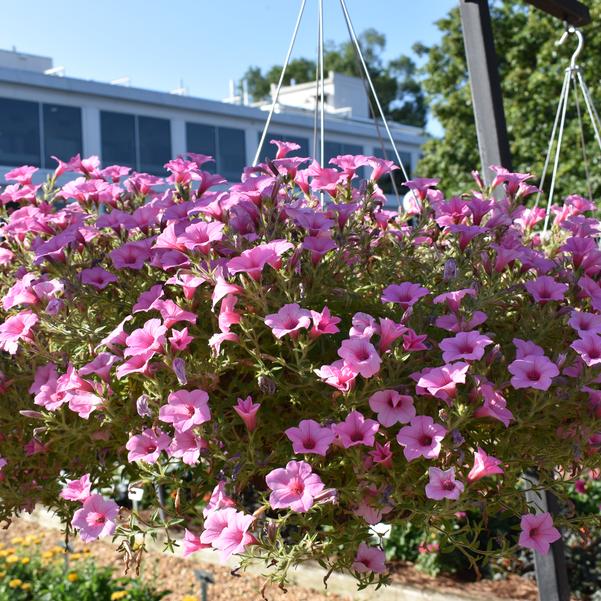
{"x": 281, "y": 80}
{"x": 592, "y": 111}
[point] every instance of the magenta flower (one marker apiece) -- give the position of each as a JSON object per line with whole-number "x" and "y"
{"x": 494, "y": 405}
{"x": 443, "y": 485}
{"x": 247, "y": 410}
{"x": 16, "y": 328}
{"x": 97, "y": 277}
{"x": 290, "y": 319}
{"x": 294, "y": 486}
{"x": 585, "y": 322}
{"x": 363, "y": 326}
{"x": 389, "y": 332}
{"x": 544, "y": 289}
{"x": 356, "y": 430}
{"x": 201, "y": 235}
{"x": 186, "y": 409}
{"x": 173, "y": 313}
{"x": 392, "y": 407}
{"x": 382, "y": 454}
{"x": 421, "y": 438}
{"x": 180, "y": 339}
{"x": 191, "y": 543}
{"x": 533, "y": 371}
{"x": 149, "y": 338}
{"x": 253, "y": 260}
{"x": 147, "y": 446}
{"x": 219, "y": 499}
{"x": 484, "y": 465}
{"x": 588, "y": 346}
{"x": 136, "y": 364}
{"x": 361, "y": 356}
{"x": 324, "y": 323}
{"x": 96, "y": 518}
{"x": 339, "y": 375}
{"x": 369, "y": 559}
{"x": 133, "y": 255}
{"x": 465, "y": 345}
{"x": 216, "y": 520}
{"x": 441, "y": 382}
{"x": 310, "y": 437}
{"x": 538, "y": 532}
{"x": 318, "y": 246}
{"x": 453, "y": 299}
{"x": 405, "y": 294}
{"x": 148, "y": 300}
{"x": 234, "y": 538}
{"x": 77, "y": 490}
{"x": 187, "y": 446}
{"x": 526, "y": 347}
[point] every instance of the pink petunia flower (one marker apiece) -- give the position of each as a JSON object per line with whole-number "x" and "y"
{"x": 324, "y": 323}
{"x": 363, "y": 325}
{"x": 524, "y": 348}
{"x": 465, "y": 345}
{"x": 97, "y": 277}
{"x": 96, "y": 519}
{"x": 191, "y": 543}
{"x": 219, "y": 499}
{"x": 77, "y": 490}
{"x": 361, "y": 356}
{"x": 544, "y": 289}
{"x": 405, "y": 294}
{"x": 441, "y": 382}
{"x": 16, "y": 329}
{"x": 148, "y": 300}
{"x": 538, "y": 532}
{"x": 443, "y": 485}
{"x": 588, "y": 346}
{"x": 310, "y": 437}
{"x": 369, "y": 559}
{"x": 216, "y": 520}
{"x": 173, "y": 313}
{"x": 180, "y": 339}
{"x": 294, "y": 486}
{"x": 484, "y": 465}
{"x": 187, "y": 446}
{"x": 453, "y": 299}
{"x": 392, "y": 407}
{"x": 234, "y": 538}
{"x": 422, "y": 438}
{"x": 136, "y": 364}
{"x": 289, "y": 320}
{"x": 247, "y": 410}
{"x": 186, "y": 409}
{"x": 533, "y": 371}
{"x": 147, "y": 446}
{"x": 585, "y": 322}
{"x": 339, "y": 375}
{"x": 494, "y": 405}
{"x": 382, "y": 454}
{"x": 356, "y": 430}
{"x": 149, "y": 338}
{"x": 389, "y": 332}
{"x": 201, "y": 235}
{"x": 253, "y": 261}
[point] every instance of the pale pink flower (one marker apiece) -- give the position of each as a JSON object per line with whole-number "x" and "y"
{"x": 149, "y": 338}
{"x": 544, "y": 289}
{"x": 289, "y": 320}
{"x": 422, "y": 438}
{"x": 382, "y": 454}
{"x": 363, "y": 326}
{"x": 173, "y": 313}
{"x": 147, "y": 446}
{"x": 413, "y": 342}
{"x": 219, "y": 499}
{"x": 356, "y": 430}
{"x": 533, "y": 371}
{"x": 361, "y": 356}
{"x": 441, "y": 382}
{"x": 201, "y": 235}
{"x": 443, "y": 485}
{"x": 453, "y": 299}
{"x": 494, "y": 405}
{"x": 369, "y": 559}
{"x": 588, "y": 346}
{"x": 324, "y": 323}
{"x": 585, "y": 322}
{"x": 405, "y": 294}
{"x": 318, "y": 246}
{"x": 247, "y": 410}
{"x": 148, "y": 300}
{"x": 77, "y": 490}
{"x": 392, "y": 407}
{"x": 96, "y": 519}
{"x": 253, "y": 261}
{"x": 524, "y": 348}
{"x": 216, "y": 520}
{"x": 310, "y": 437}
{"x": 187, "y": 446}
{"x": 101, "y": 365}
{"x": 97, "y": 277}
{"x": 191, "y": 543}
{"x": 538, "y": 532}
{"x": 186, "y": 409}
{"x": 228, "y": 316}
{"x": 339, "y": 375}
{"x": 136, "y": 364}
{"x": 465, "y": 345}
{"x": 15, "y": 329}
{"x": 294, "y": 486}
{"x": 234, "y": 538}
{"x": 389, "y": 332}
{"x": 180, "y": 339}
{"x": 484, "y": 465}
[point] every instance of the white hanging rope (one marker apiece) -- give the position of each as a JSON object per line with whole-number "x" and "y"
{"x": 592, "y": 111}
{"x": 281, "y": 80}
{"x": 322, "y": 157}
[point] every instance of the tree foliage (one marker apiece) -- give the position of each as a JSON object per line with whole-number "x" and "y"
{"x": 532, "y": 69}
{"x": 396, "y": 80}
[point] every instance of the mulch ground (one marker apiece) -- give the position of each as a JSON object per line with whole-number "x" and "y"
{"x": 177, "y": 575}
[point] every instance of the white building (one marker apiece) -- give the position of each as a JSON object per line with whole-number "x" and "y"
{"x": 43, "y": 113}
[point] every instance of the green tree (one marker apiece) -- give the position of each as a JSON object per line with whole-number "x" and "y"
{"x": 396, "y": 81}
{"x": 532, "y": 69}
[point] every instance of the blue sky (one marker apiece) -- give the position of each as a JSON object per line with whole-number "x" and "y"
{"x": 205, "y": 43}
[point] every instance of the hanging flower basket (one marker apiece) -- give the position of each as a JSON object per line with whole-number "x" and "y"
{"x": 288, "y": 375}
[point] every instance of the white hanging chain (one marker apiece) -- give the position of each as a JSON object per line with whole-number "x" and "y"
{"x": 281, "y": 80}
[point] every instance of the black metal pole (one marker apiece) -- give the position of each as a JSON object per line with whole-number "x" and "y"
{"x": 486, "y": 86}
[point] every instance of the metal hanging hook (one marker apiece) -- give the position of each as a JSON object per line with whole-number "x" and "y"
{"x": 564, "y": 37}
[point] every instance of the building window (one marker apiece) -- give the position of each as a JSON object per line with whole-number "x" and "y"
{"x": 226, "y": 145}
{"x": 386, "y": 182}
{"x": 269, "y": 150}
{"x": 19, "y": 132}
{"x": 62, "y": 132}
{"x": 143, "y": 143}
{"x": 334, "y": 149}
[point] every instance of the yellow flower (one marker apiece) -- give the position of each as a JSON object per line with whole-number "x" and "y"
{"x": 25, "y": 560}
{"x": 12, "y": 559}
{"x": 25, "y": 586}
{"x": 118, "y": 595}
{"x": 2, "y": 574}
{"x": 72, "y": 576}
{"x": 47, "y": 555}
{"x": 189, "y": 598}
{"x": 15, "y": 582}
{"x": 17, "y": 540}
{"x": 75, "y": 556}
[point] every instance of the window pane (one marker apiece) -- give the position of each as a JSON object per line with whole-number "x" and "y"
{"x": 232, "y": 152}
{"x": 385, "y": 182}
{"x": 202, "y": 139}
{"x": 118, "y": 133}
{"x": 331, "y": 150}
{"x": 62, "y": 133}
{"x": 154, "y": 136}
{"x": 19, "y": 132}
{"x": 351, "y": 149}
{"x": 269, "y": 150}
